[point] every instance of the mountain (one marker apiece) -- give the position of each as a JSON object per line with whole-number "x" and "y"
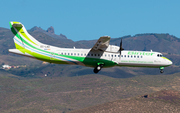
{"x": 145, "y": 42}
{"x": 142, "y": 42}
{"x": 167, "y": 44}
{"x": 50, "y": 31}
{"x": 71, "y": 87}
{"x": 6, "y": 41}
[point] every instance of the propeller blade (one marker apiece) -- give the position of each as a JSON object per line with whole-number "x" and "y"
{"x": 120, "y": 47}
{"x": 121, "y": 43}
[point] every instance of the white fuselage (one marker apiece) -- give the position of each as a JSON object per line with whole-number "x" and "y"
{"x": 128, "y": 57}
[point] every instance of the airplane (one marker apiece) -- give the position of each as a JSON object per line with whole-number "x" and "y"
{"x": 101, "y": 55}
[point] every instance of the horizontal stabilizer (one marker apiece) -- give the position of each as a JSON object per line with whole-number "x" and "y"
{"x": 17, "y": 25}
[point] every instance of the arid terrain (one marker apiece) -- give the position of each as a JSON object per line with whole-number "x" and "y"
{"x": 164, "y": 101}
{"x": 52, "y": 88}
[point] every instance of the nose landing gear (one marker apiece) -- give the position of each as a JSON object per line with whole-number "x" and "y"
{"x": 161, "y": 69}
{"x": 98, "y": 68}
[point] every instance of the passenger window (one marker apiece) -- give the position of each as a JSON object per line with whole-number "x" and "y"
{"x": 84, "y": 54}
{"x": 68, "y": 53}
{"x": 121, "y": 55}
{"x": 128, "y": 56}
{"x": 141, "y": 56}
{"x": 114, "y": 55}
{"x": 81, "y": 54}
{"x": 88, "y": 54}
{"x": 91, "y": 54}
{"x": 108, "y": 55}
{"x": 131, "y": 56}
{"x": 98, "y": 54}
{"x": 74, "y": 54}
{"x": 124, "y": 55}
{"x": 71, "y": 53}
{"x": 78, "y": 54}
{"x": 61, "y": 53}
{"x": 64, "y": 53}
{"x": 134, "y": 56}
{"x": 94, "y": 54}
{"x": 105, "y": 55}
{"x": 157, "y": 55}
{"x": 160, "y": 55}
{"x": 137, "y": 56}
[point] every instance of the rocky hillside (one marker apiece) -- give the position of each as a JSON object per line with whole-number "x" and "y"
{"x": 165, "y": 101}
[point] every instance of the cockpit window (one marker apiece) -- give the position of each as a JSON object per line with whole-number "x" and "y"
{"x": 159, "y": 55}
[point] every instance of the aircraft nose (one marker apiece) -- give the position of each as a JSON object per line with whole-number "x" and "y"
{"x": 170, "y": 62}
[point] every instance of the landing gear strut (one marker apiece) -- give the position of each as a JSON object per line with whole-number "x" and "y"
{"x": 161, "y": 69}
{"x": 98, "y": 68}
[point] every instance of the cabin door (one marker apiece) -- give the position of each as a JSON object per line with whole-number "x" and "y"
{"x": 52, "y": 57}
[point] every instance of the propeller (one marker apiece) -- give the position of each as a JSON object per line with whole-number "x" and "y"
{"x": 120, "y": 47}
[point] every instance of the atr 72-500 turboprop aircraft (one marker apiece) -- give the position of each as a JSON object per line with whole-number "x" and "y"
{"x": 101, "y": 55}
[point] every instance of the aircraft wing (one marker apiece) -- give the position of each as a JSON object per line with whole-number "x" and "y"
{"x": 102, "y": 43}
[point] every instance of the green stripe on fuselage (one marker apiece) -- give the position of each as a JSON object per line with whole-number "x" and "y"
{"x": 92, "y": 62}
{"x": 40, "y": 56}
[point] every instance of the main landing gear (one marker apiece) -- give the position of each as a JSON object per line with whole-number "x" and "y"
{"x": 161, "y": 69}
{"x": 98, "y": 68}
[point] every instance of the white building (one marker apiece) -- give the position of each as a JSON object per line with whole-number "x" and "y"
{"x": 6, "y": 67}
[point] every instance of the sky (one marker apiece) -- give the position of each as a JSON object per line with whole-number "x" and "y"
{"x": 91, "y": 19}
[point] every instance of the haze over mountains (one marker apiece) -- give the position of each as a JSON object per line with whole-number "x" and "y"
{"x": 68, "y": 88}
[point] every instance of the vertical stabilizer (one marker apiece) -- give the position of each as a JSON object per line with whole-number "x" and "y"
{"x": 22, "y": 38}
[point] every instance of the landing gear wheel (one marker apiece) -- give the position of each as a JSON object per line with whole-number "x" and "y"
{"x": 98, "y": 68}
{"x": 161, "y": 71}
{"x": 95, "y": 70}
